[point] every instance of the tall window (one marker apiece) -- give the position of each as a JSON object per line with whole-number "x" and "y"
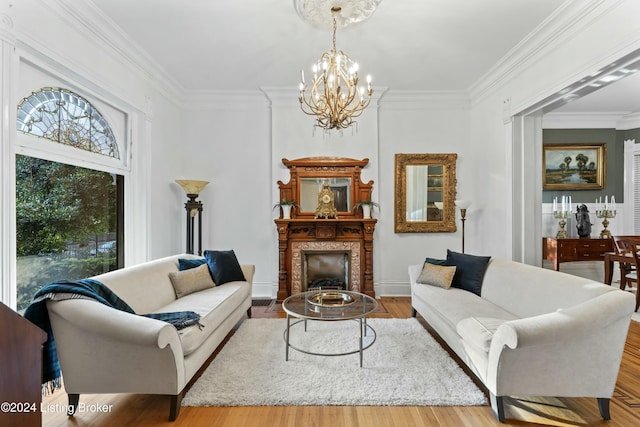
{"x": 69, "y": 219}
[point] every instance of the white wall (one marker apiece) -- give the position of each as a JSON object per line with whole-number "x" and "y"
{"x": 419, "y": 123}
{"x": 227, "y": 141}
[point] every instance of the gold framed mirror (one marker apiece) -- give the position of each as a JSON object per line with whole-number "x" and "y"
{"x": 425, "y": 193}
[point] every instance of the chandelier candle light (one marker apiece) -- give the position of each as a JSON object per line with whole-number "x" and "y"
{"x": 562, "y": 211}
{"x": 606, "y": 211}
{"x": 334, "y": 98}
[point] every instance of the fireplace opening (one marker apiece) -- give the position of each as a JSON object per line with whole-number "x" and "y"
{"x": 326, "y": 270}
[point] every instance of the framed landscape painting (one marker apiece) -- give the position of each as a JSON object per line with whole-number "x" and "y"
{"x": 574, "y": 166}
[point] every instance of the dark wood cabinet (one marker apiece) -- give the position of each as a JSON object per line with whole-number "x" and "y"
{"x": 20, "y": 369}
{"x": 571, "y": 250}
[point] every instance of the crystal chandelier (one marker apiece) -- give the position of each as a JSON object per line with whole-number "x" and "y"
{"x": 334, "y": 98}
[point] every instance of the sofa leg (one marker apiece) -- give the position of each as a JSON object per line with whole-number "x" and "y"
{"x": 498, "y": 406}
{"x": 603, "y": 406}
{"x": 414, "y": 313}
{"x": 249, "y": 312}
{"x": 174, "y": 409}
{"x": 73, "y": 403}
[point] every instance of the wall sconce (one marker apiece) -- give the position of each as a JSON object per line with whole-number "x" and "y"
{"x": 194, "y": 208}
{"x": 463, "y": 205}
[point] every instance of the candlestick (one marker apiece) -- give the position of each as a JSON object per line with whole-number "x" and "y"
{"x": 561, "y": 211}
{"x": 606, "y": 212}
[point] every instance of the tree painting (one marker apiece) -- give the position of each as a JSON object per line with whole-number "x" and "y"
{"x": 573, "y": 166}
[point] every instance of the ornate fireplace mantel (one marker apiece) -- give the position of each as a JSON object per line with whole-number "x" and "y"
{"x": 354, "y": 234}
{"x": 347, "y": 231}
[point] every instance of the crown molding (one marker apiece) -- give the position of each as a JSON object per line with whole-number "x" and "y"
{"x": 6, "y": 23}
{"x": 234, "y": 100}
{"x": 91, "y": 23}
{"x": 592, "y": 120}
{"x": 563, "y": 24}
{"x": 425, "y": 100}
{"x": 630, "y": 121}
{"x": 287, "y": 97}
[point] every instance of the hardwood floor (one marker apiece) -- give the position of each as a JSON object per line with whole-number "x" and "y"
{"x": 150, "y": 410}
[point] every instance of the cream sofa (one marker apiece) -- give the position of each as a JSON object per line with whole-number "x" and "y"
{"x": 533, "y": 332}
{"x": 104, "y": 350}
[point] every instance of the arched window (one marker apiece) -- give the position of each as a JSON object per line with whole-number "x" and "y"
{"x": 67, "y": 118}
{"x": 69, "y": 214}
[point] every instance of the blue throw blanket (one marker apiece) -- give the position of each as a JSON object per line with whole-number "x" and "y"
{"x": 91, "y": 289}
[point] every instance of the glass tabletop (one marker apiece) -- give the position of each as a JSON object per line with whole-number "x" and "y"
{"x": 329, "y": 305}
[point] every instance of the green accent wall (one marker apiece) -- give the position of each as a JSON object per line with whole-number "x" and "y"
{"x": 614, "y": 179}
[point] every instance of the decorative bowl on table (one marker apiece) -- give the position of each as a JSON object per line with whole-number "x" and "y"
{"x": 330, "y": 299}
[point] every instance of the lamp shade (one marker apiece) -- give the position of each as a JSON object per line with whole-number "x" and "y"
{"x": 463, "y": 204}
{"x": 191, "y": 186}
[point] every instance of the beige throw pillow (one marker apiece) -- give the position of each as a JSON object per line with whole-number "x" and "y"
{"x": 437, "y": 275}
{"x": 192, "y": 280}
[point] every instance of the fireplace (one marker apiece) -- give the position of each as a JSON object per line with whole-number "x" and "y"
{"x": 325, "y": 270}
{"x": 325, "y": 261}
{"x": 349, "y": 244}
{"x": 334, "y": 251}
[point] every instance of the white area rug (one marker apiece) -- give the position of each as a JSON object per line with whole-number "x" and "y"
{"x": 405, "y": 366}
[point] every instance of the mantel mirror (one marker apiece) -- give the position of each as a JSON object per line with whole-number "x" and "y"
{"x": 425, "y": 193}
{"x": 310, "y": 174}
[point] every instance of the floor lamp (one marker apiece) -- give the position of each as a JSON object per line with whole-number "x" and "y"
{"x": 194, "y": 208}
{"x": 463, "y": 205}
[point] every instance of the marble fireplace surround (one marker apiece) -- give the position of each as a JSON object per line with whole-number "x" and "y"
{"x": 298, "y": 250}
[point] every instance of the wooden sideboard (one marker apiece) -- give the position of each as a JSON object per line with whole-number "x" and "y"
{"x": 571, "y": 250}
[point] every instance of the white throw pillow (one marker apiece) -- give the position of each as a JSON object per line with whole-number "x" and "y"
{"x": 437, "y": 275}
{"x": 192, "y": 280}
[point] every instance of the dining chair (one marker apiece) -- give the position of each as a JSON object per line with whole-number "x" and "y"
{"x": 621, "y": 246}
{"x": 632, "y": 276}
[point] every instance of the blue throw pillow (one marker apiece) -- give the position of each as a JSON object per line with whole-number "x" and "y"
{"x": 470, "y": 270}
{"x": 435, "y": 261}
{"x": 224, "y": 266}
{"x": 188, "y": 264}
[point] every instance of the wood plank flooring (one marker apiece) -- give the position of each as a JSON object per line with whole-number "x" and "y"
{"x": 151, "y": 410}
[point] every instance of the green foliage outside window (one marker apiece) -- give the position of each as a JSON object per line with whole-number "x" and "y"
{"x": 64, "y": 214}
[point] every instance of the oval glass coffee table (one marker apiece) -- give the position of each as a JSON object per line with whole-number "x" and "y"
{"x": 330, "y": 305}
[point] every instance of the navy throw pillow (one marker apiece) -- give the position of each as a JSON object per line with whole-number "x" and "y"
{"x": 188, "y": 264}
{"x": 224, "y": 266}
{"x": 470, "y": 270}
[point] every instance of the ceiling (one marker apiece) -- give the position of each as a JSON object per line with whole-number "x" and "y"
{"x": 431, "y": 45}
{"x": 248, "y": 44}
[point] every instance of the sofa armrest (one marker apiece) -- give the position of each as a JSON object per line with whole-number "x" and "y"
{"x": 115, "y": 324}
{"x": 104, "y": 350}
{"x": 414, "y": 273}
{"x": 571, "y": 352}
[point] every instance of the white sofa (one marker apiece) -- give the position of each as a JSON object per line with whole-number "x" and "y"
{"x": 104, "y": 350}
{"x": 533, "y": 332}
